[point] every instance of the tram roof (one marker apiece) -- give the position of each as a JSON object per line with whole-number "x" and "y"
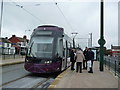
{"x": 49, "y": 27}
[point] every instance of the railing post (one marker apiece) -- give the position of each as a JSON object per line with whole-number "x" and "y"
{"x": 115, "y": 67}
{"x": 109, "y": 63}
{"x": 105, "y": 61}
{"x": 14, "y": 56}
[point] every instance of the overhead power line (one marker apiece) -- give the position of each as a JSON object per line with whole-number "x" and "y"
{"x": 63, "y": 15}
{"x": 22, "y": 7}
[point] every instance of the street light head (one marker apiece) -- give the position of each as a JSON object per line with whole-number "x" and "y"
{"x": 19, "y": 6}
{"x": 74, "y": 33}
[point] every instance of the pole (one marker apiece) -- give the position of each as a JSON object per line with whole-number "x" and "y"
{"x": 74, "y": 39}
{"x": 90, "y": 40}
{"x": 73, "y": 42}
{"x": 101, "y": 41}
{"x": 1, "y": 17}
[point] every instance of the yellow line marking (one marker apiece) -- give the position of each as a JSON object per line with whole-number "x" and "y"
{"x": 58, "y": 78}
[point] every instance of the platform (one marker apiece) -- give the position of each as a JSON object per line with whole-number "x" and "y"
{"x": 97, "y": 79}
{"x": 11, "y": 61}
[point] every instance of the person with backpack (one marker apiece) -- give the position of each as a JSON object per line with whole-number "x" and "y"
{"x": 90, "y": 59}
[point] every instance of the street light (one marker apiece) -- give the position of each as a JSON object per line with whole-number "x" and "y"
{"x": 101, "y": 41}
{"x": 75, "y": 33}
{"x": 90, "y": 39}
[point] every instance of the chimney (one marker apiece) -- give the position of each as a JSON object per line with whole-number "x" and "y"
{"x": 6, "y": 37}
{"x": 25, "y": 37}
{"x": 13, "y": 36}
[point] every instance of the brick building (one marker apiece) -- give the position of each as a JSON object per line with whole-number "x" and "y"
{"x": 18, "y": 42}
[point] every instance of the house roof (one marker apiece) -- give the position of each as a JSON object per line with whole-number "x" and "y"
{"x": 22, "y": 39}
{"x": 15, "y": 39}
{"x": 115, "y": 47}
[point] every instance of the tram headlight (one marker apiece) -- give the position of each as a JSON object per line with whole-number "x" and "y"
{"x": 26, "y": 60}
{"x": 48, "y": 62}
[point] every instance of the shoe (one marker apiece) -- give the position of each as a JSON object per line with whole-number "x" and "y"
{"x": 90, "y": 72}
{"x": 73, "y": 69}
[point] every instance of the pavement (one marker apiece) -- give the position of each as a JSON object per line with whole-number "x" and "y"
{"x": 11, "y": 61}
{"x": 97, "y": 79}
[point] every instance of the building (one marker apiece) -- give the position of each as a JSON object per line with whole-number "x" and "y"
{"x": 6, "y": 46}
{"x": 18, "y": 42}
{"x": 115, "y": 51}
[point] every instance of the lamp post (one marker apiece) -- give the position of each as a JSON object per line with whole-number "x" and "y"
{"x": 101, "y": 41}
{"x": 75, "y": 33}
{"x": 90, "y": 39}
{"x": 25, "y": 39}
{"x": 1, "y": 17}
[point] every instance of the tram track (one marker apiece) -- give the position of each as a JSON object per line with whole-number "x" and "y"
{"x": 38, "y": 82}
{"x": 13, "y": 80}
{"x": 16, "y": 69}
{"x": 16, "y": 77}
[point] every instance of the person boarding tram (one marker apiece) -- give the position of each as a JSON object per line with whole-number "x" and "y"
{"x": 72, "y": 58}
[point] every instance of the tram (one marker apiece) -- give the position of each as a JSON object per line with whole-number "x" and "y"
{"x": 48, "y": 50}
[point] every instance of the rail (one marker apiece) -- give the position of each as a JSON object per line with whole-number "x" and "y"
{"x": 113, "y": 64}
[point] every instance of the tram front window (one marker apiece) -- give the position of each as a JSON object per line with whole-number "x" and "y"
{"x": 42, "y": 47}
{"x": 44, "y": 50}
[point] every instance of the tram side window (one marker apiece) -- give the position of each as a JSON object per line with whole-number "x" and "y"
{"x": 69, "y": 51}
{"x": 63, "y": 52}
{"x": 60, "y": 47}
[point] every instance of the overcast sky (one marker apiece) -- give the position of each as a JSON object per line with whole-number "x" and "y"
{"x": 72, "y": 15}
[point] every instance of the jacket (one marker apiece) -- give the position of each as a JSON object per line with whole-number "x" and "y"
{"x": 79, "y": 56}
{"x": 90, "y": 55}
{"x": 72, "y": 56}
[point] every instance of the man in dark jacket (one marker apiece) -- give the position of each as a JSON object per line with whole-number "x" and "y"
{"x": 85, "y": 61}
{"x": 90, "y": 57}
{"x": 72, "y": 58}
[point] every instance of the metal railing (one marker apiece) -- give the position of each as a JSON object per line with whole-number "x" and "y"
{"x": 11, "y": 56}
{"x": 113, "y": 64}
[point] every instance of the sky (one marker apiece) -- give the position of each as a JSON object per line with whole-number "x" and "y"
{"x": 78, "y": 16}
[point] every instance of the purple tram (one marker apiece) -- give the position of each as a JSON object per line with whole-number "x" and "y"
{"x": 48, "y": 50}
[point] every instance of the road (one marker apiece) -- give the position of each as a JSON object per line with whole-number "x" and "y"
{"x": 15, "y": 76}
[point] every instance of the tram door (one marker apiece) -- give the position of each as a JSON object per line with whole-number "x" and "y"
{"x": 62, "y": 50}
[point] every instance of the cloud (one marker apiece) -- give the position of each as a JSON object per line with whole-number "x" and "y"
{"x": 83, "y": 17}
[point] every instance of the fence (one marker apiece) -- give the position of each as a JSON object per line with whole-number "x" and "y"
{"x": 113, "y": 64}
{"x": 11, "y": 56}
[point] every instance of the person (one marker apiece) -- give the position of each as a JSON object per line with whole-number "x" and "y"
{"x": 90, "y": 59}
{"x": 72, "y": 58}
{"x": 85, "y": 61}
{"x": 79, "y": 59}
